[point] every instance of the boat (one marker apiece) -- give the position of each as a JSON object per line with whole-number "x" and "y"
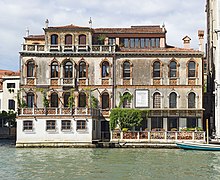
{"x": 198, "y": 146}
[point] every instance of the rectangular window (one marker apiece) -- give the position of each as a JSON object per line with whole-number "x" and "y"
{"x": 50, "y": 125}
{"x": 81, "y": 125}
{"x": 126, "y": 43}
{"x": 111, "y": 41}
{"x": 132, "y": 43}
{"x": 66, "y": 125}
{"x": 152, "y": 42}
{"x": 136, "y": 40}
{"x": 11, "y": 104}
{"x": 142, "y": 42}
{"x": 156, "y": 123}
{"x": 27, "y": 125}
{"x": 10, "y": 85}
{"x": 147, "y": 42}
{"x": 191, "y": 122}
{"x": 157, "y": 42}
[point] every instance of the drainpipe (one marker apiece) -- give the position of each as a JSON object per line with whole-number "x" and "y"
{"x": 113, "y": 79}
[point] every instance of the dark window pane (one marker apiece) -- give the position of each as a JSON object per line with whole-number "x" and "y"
{"x": 156, "y": 122}
{"x": 11, "y": 104}
{"x": 68, "y": 39}
{"x": 82, "y": 99}
{"x": 82, "y": 69}
{"x": 191, "y": 69}
{"x": 156, "y": 100}
{"x": 136, "y": 43}
{"x": 66, "y": 125}
{"x": 156, "y": 69}
{"x": 105, "y": 100}
{"x": 173, "y": 100}
{"x": 147, "y": 42}
{"x": 142, "y": 43}
{"x": 126, "y": 70}
{"x": 27, "y": 125}
{"x": 30, "y": 100}
{"x": 126, "y": 43}
{"x": 50, "y": 125}
{"x": 191, "y": 100}
{"x": 54, "y": 39}
{"x": 105, "y": 69}
{"x": 54, "y": 100}
{"x": 30, "y": 69}
{"x": 54, "y": 70}
{"x": 10, "y": 85}
{"x": 132, "y": 43}
{"x": 66, "y": 99}
{"x": 157, "y": 42}
{"x": 191, "y": 122}
{"x": 68, "y": 70}
{"x": 81, "y": 124}
{"x": 173, "y": 69}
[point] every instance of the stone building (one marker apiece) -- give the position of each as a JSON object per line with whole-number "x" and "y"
{"x": 71, "y": 77}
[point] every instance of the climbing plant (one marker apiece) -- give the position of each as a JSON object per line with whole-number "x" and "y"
{"x": 125, "y": 96}
{"x": 71, "y": 99}
{"x": 125, "y": 118}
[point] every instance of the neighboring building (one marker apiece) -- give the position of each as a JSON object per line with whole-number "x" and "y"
{"x": 9, "y": 87}
{"x": 212, "y": 97}
{"x": 72, "y": 66}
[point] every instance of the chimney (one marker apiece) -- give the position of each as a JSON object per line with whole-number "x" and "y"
{"x": 27, "y": 32}
{"x": 201, "y": 40}
{"x": 46, "y": 23}
{"x": 186, "y": 42}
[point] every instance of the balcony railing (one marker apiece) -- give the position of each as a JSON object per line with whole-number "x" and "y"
{"x": 67, "y": 48}
{"x": 154, "y": 136}
{"x": 58, "y": 111}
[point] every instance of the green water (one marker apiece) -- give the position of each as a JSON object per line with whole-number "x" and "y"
{"x": 106, "y": 164}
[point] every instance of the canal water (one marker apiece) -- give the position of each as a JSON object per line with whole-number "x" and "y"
{"x": 106, "y": 164}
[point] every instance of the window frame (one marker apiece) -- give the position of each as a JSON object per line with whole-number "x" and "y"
{"x": 156, "y": 70}
{"x": 27, "y": 125}
{"x": 82, "y": 69}
{"x": 105, "y": 69}
{"x": 68, "y": 70}
{"x": 173, "y": 69}
{"x": 81, "y": 125}
{"x": 191, "y": 100}
{"x": 156, "y": 100}
{"x": 54, "y": 70}
{"x": 126, "y": 70}
{"x": 191, "y": 70}
{"x": 173, "y": 97}
{"x": 105, "y": 100}
{"x": 30, "y": 69}
{"x": 54, "y": 100}
{"x": 66, "y": 125}
{"x": 51, "y": 125}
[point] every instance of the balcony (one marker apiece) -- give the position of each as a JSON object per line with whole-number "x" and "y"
{"x": 156, "y": 136}
{"x": 68, "y": 48}
{"x": 50, "y": 111}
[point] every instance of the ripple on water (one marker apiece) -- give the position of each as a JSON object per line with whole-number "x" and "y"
{"x": 107, "y": 164}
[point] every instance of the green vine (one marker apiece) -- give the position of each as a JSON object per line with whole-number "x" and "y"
{"x": 125, "y": 96}
{"x": 71, "y": 99}
{"x": 94, "y": 102}
{"x": 21, "y": 101}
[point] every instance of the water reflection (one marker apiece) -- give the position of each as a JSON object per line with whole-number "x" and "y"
{"x": 107, "y": 164}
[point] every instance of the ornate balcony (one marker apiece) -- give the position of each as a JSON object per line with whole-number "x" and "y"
{"x": 50, "y": 111}
{"x": 67, "y": 48}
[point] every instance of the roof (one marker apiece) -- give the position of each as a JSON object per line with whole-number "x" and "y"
{"x": 133, "y": 29}
{"x": 35, "y": 37}
{"x": 9, "y": 73}
{"x": 70, "y": 26}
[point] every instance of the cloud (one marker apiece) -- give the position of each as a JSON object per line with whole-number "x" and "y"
{"x": 181, "y": 17}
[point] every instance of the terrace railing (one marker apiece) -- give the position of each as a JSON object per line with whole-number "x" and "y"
{"x": 58, "y": 111}
{"x": 155, "y": 136}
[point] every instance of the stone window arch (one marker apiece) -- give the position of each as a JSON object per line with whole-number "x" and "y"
{"x": 68, "y": 39}
{"x": 82, "y": 69}
{"x": 105, "y": 100}
{"x": 126, "y": 70}
{"x": 105, "y": 69}
{"x": 191, "y": 100}
{"x": 54, "y": 39}
{"x": 82, "y": 39}
{"x": 54, "y": 100}
{"x": 191, "y": 68}
{"x": 126, "y": 103}
{"x": 68, "y": 69}
{"x": 156, "y": 100}
{"x": 173, "y": 69}
{"x": 31, "y": 68}
{"x": 82, "y": 99}
{"x": 30, "y": 99}
{"x": 173, "y": 100}
{"x": 54, "y": 69}
{"x": 156, "y": 69}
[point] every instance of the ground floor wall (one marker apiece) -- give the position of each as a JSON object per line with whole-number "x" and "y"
{"x": 56, "y": 130}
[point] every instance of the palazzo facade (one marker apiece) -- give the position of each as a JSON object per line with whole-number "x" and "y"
{"x": 71, "y": 77}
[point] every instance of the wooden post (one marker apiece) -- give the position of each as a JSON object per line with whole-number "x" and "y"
{"x": 207, "y": 131}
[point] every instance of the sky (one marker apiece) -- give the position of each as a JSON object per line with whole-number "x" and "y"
{"x": 181, "y": 18}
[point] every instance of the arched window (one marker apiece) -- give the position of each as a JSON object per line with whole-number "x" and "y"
{"x": 192, "y": 69}
{"x": 82, "y": 99}
{"x": 30, "y": 99}
{"x": 54, "y": 39}
{"x": 127, "y": 100}
{"x": 156, "y": 69}
{"x": 126, "y": 70}
{"x": 82, "y": 39}
{"x": 105, "y": 69}
{"x": 68, "y": 70}
{"x": 105, "y": 100}
{"x": 82, "y": 69}
{"x": 156, "y": 100}
{"x": 191, "y": 100}
{"x": 54, "y": 70}
{"x": 54, "y": 100}
{"x": 66, "y": 99}
{"x": 30, "y": 69}
{"x": 173, "y": 100}
{"x": 173, "y": 72}
{"x": 68, "y": 39}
